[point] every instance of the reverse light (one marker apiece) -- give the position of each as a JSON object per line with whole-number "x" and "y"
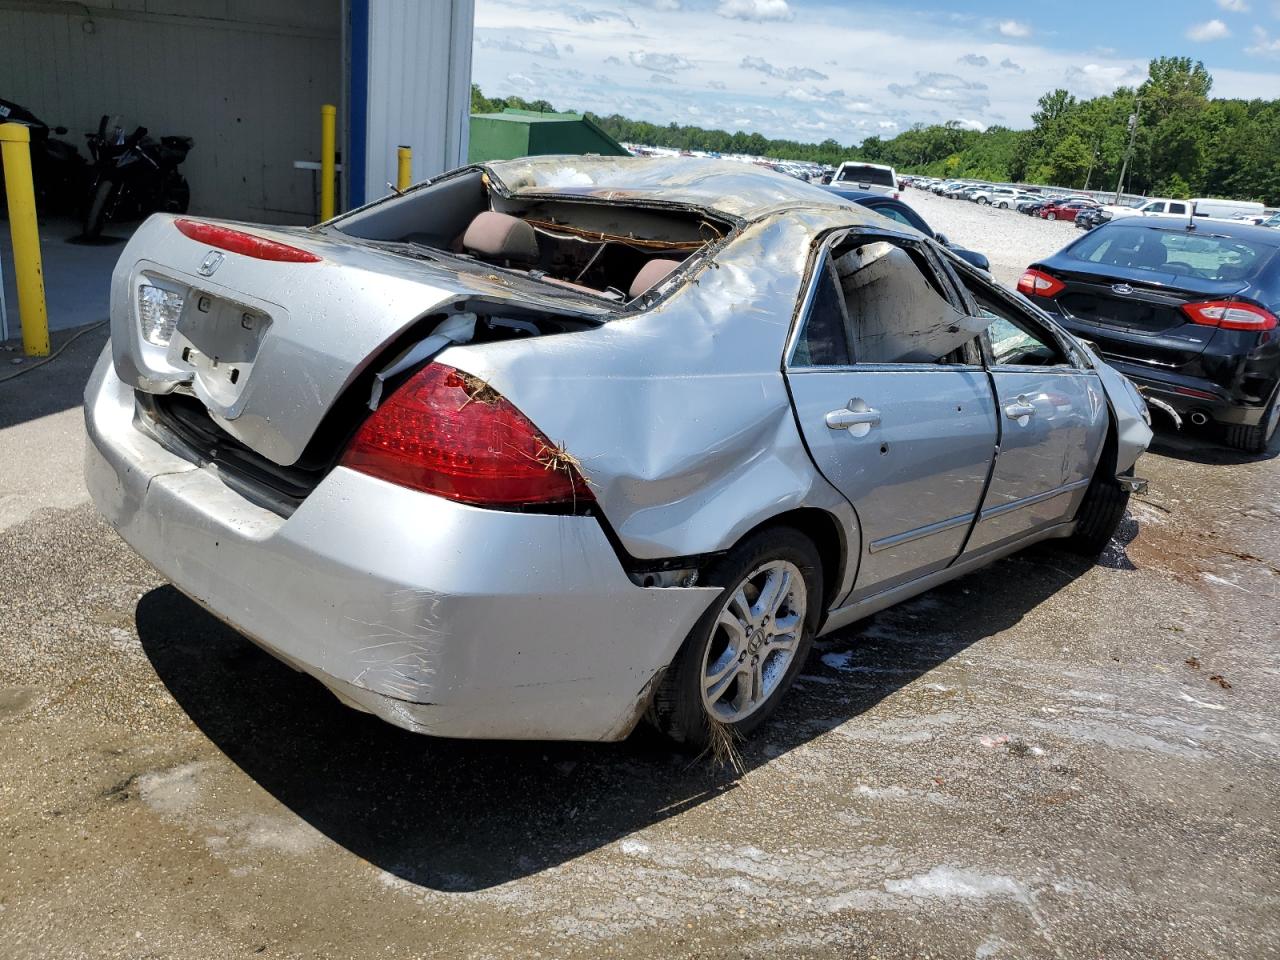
{"x": 1229, "y": 315}
{"x": 1037, "y": 283}
{"x": 247, "y": 244}
{"x": 158, "y": 313}
{"x": 446, "y": 433}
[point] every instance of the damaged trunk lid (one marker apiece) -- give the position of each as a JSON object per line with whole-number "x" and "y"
{"x": 265, "y": 328}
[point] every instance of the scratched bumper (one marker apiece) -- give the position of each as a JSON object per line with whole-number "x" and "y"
{"x": 438, "y": 617}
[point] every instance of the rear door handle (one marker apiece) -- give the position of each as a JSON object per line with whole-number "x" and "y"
{"x": 857, "y": 418}
{"x": 1022, "y": 407}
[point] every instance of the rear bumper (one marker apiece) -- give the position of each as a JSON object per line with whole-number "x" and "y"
{"x": 438, "y": 617}
{"x": 1185, "y": 393}
{"x": 1189, "y": 395}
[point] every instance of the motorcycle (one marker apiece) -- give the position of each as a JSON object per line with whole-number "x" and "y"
{"x": 58, "y": 170}
{"x": 134, "y": 176}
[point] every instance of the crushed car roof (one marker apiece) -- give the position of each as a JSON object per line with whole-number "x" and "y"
{"x": 737, "y": 190}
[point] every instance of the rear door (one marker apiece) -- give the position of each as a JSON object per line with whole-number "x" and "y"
{"x": 1052, "y": 421}
{"x": 895, "y": 413}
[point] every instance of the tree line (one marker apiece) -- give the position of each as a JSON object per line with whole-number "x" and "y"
{"x": 1184, "y": 143}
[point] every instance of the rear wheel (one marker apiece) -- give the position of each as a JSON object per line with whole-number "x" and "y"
{"x": 743, "y": 654}
{"x": 1257, "y": 438}
{"x": 96, "y": 217}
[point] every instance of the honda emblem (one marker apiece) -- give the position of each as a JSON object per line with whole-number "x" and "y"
{"x": 211, "y": 263}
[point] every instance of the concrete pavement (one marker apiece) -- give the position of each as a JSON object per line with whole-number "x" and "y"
{"x": 1044, "y": 759}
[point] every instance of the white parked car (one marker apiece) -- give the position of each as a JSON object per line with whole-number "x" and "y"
{"x": 1003, "y": 197}
{"x": 872, "y": 177}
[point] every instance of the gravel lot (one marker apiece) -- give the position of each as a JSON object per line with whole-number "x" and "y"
{"x": 1011, "y": 240}
{"x": 1046, "y": 758}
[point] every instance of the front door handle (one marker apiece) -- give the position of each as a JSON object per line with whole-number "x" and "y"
{"x": 857, "y": 418}
{"x": 1019, "y": 409}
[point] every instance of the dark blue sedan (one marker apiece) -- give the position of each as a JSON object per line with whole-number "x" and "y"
{"x": 897, "y": 210}
{"x": 1188, "y": 312}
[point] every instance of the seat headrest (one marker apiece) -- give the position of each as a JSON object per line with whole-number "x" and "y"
{"x": 651, "y": 274}
{"x": 499, "y": 236}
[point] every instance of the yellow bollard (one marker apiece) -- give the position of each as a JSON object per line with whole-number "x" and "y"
{"x": 404, "y": 168}
{"x": 328, "y": 136}
{"x": 15, "y": 145}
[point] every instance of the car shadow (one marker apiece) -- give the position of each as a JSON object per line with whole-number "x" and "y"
{"x": 467, "y": 815}
{"x": 1196, "y": 445}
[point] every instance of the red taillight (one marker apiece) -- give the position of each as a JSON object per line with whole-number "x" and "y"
{"x": 1230, "y": 315}
{"x": 449, "y": 434}
{"x": 234, "y": 241}
{"x": 1037, "y": 283}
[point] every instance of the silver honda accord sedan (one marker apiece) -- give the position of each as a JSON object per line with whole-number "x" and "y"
{"x": 542, "y": 448}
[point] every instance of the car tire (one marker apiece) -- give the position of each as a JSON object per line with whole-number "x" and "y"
{"x": 680, "y": 710}
{"x": 983, "y": 201}
{"x": 1101, "y": 510}
{"x": 95, "y": 217}
{"x": 1256, "y": 438}
{"x": 1051, "y": 216}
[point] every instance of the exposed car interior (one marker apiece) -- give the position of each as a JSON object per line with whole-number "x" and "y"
{"x": 619, "y": 252}
{"x": 880, "y": 302}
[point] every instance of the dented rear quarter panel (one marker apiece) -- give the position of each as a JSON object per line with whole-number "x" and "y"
{"x": 680, "y": 415}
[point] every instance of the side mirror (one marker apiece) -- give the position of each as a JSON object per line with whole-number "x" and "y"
{"x": 942, "y": 239}
{"x": 973, "y": 257}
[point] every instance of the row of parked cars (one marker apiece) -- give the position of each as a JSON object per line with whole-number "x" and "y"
{"x": 1087, "y": 212}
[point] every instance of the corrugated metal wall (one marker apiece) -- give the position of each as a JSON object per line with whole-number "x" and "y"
{"x": 245, "y": 78}
{"x": 419, "y": 87}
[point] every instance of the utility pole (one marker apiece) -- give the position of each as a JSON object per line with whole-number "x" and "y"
{"x": 1128, "y": 151}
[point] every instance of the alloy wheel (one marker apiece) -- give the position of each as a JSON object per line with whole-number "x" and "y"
{"x": 754, "y": 641}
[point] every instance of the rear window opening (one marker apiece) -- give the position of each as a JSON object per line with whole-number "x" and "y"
{"x": 615, "y": 251}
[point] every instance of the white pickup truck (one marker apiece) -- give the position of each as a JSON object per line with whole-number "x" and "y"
{"x": 872, "y": 177}
{"x": 1200, "y": 207}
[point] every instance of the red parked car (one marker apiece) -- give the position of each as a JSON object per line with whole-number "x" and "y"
{"x": 1066, "y": 209}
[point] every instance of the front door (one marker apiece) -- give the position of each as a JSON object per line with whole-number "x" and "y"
{"x": 896, "y": 416}
{"x": 1053, "y": 420}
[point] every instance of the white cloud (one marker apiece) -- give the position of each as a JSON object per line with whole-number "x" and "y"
{"x": 1014, "y": 28}
{"x": 1096, "y": 79}
{"x": 973, "y": 60}
{"x": 511, "y": 45}
{"x": 659, "y": 62}
{"x": 1234, "y": 6}
{"x": 794, "y": 74}
{"x": 945, "y": 88}
{"x": 587, "y": 15}
{"x": 755, "y": 10}
{"x": 1209, "y": 30}
{"x": 1007, "y": 64}
{"x": 814, "y": 95}
{"x": 1263, "y": 45}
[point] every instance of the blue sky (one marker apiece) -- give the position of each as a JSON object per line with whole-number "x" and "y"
{"x": 811, "y": 69}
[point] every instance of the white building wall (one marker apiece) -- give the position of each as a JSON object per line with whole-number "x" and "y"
{"x": 244, "y": 78}
{"x": 419, "y": 87}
